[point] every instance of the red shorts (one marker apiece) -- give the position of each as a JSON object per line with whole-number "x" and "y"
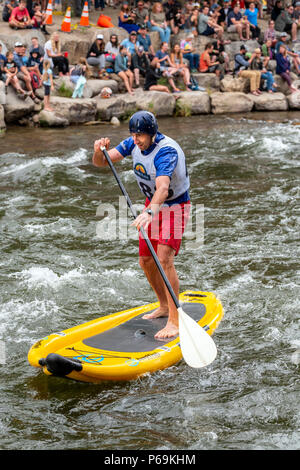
{"x": 166, "y": 228}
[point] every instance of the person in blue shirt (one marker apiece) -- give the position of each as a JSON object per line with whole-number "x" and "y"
{"x": 122, "y": 69}
{"x": 131, "y": 43}
{"x": 160, "y": 170}
{"x": 252, "y": 14}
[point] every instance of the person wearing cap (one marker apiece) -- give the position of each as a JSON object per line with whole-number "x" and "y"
{"x": 145, "y": 41}
{"x": 23, "y": 72}
{"x": 20, "y": 18}
{"x": 160, "y": 169}
{"x": 96, "y": 54}
{"x": 296, "y": 14}
{"x": 294, "y": 57}
{"x": 241, "y": 68}
{"x": 237, "y": 24}
{"x": 131, "y": 43}
{"x": 283, "y": 67}
{"x": 285, "y": 22}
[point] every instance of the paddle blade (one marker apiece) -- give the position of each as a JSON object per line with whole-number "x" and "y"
{"x": 197, "y": 347}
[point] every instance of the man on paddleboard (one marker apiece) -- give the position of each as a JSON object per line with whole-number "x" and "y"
{"x": 160, "y": 169}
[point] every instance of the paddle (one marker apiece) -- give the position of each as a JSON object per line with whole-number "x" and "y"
{"x": 197, "y": 347}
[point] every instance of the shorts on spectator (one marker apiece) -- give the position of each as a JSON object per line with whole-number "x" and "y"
{"x": 47, "y": 90}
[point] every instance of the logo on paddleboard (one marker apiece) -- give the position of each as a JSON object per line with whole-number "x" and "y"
{"x": 140, "y": 171}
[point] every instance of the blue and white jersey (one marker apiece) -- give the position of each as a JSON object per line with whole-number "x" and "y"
{"x": 163, "y": 157}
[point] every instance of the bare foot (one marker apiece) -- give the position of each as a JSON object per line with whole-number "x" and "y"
{"x": 159, "y": 312}
{"x": 168, "y": 331}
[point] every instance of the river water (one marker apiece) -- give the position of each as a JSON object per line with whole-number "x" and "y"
{"x": 56, "y": 272}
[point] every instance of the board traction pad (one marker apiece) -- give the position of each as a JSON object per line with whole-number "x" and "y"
{"x": 137, "y": 334}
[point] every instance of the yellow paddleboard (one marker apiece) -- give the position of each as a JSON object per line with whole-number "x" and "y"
{"x": 121, "y": 346}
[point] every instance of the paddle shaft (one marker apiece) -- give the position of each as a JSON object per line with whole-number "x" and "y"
{"x": 143, "y": 232}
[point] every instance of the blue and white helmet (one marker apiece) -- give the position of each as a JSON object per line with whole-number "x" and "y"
{"x": 143, "y": 122}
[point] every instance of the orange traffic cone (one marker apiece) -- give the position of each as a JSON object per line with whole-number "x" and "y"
{"x": 84, "y": 20}
{"x": 66, "y": 24}
{"x": 49, "y": 13}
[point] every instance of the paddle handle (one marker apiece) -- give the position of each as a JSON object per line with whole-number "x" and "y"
{"x": 143, "y": 232}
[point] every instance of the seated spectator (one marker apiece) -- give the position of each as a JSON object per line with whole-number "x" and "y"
{"x": 139, "y": 64}
{"x": 141, "y": 13}
{"x": 35, "y": 60}
{"x": 268, "y": 50}
{"x": 296, "y": 14}
{"x": 177, "y": 60}
{"x": 270, "y": 33}
{"x": 207, "y": 65}
{"x": 126, "y": 19}
{"x": 225, "y": 9}
{"x": 8, "y": 7}
{"x": 11, "y": 70}
{"x": 221, "y": 55}
{"x": 55, "y": 55}
{"x": 258, "y": 64}
{"x": 151, "y": 79}
{"x": 39, "y": 19}
{"x": 158, "y": 22}
{"x": 35, "y": 45}
{"x": 96, "y": 54}
{"x": 172, "y": 9}
{"x": 283, "y": 67}
{"x": 144, "y": 40}
{"x": 162, "y": 62}
{"x": 80, "y": 69}
{"x": 2, "y": 63}
{"x": 277, "y": 9}
{"x": 189, "y": 53}
{"x": 122, "y": 69}
{"x": 131, "y": 43}
{"x": 294, "y": 57}
{"x": 208, "y": 27}
{"x": 112, "y": 49}
{"x": 23, "y": 72}
{"x": 236, "y": 23}
{"x": 241, "y": 66}
{"x": 252, "y": 15}
{"x": 285, "y": 23}
{"x": 20, "y": 18}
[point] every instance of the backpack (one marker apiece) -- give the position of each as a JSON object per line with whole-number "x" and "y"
{"x": 35, "y": 80}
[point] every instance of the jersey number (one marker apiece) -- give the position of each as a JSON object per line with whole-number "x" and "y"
{"x": 147, "y": 191}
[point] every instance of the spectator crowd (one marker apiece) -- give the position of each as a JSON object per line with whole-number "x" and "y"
{"x": 172, "y": 66}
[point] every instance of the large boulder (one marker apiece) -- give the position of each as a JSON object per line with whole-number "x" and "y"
{"x": 76, "y": 111}
{"x": 207, "y": 80}
{"x": 158, "y": 102}
{"x": 269, "y": 102}
{"x": 51, "y": 119}
{"x": 231, "y": 84}
{"x": 195, "y": 102}
{"x": 116, "y": 106}
{"x": 222, "y": 103}
{"x": 2, "y": 121}
{"x": 16, "y": 107}
{"x": 294, "y": 100}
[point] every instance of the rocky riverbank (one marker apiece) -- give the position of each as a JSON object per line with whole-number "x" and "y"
{"x": 230, "y": 95}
